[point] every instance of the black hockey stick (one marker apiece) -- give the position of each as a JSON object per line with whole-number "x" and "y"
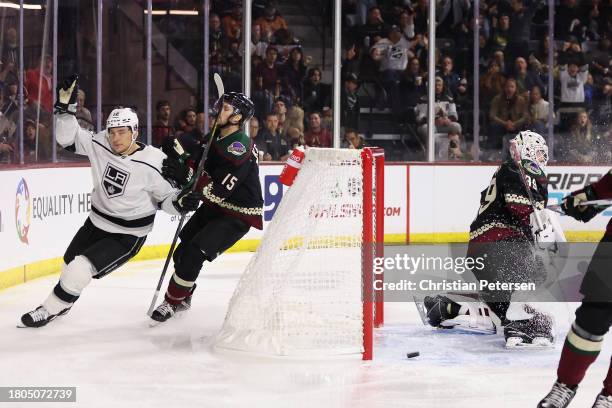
{"x": 198, "y": 173}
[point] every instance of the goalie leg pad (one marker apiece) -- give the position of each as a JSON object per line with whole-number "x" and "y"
{"x": 474, "y": 317}
{"x": 74, "y": 278}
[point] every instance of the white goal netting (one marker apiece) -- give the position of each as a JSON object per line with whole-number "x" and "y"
{"x": 301, "y": 294}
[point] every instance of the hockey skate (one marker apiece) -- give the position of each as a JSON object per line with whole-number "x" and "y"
{"x": 469, "y": 317}
{"x": 535, "y": 332}
{"x": 559, "y": 397}
{"x": 603, "y": 401}
{"x": 166, "y": 310}
{"x": 39, "y": 317}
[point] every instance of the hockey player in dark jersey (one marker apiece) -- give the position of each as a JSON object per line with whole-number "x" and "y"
{"x": 501, "y": 235}
{"x": 232, "y": 200}
{"x": 128, "y": 190}
{"x": 594, "y": 316}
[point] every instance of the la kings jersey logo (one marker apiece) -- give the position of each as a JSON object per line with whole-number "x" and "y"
{"x": 114, "y": 181}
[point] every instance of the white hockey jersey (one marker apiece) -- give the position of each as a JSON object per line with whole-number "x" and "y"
{"x": 128, "y": 190}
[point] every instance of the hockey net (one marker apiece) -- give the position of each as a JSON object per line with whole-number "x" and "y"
{"x": 307, "y": 291}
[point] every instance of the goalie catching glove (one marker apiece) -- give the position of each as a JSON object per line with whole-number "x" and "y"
{"x": 571, "y": 204}
{"x": 66, "y": 96}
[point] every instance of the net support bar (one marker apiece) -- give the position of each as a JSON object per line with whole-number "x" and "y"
{"x": 367, "y": 256}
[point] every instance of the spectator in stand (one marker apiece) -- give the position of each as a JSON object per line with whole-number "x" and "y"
{"x": 538, "y": 111}
{"x": 538, "y": 60}
{"x": 449, "y": 76}
{"x": 280, "y": 109}
{"x": 218, "y": 42}
{"x": 253, "y": 128}
{"x": 162, "y": 128}
{"x": 271, "y": 21}
{"x": 232, "y": 23}
{"x": 7, "y": 149}
{"x": 259, "y": 44}
{"x": 293, "y": 72}
{"x": 10, "y": 52}
{"x": 271, "y": 142}
{"x": 190, "y": 140}
{"x": 350, "y": 65}
{"x": 349, "y": 102}
{"x": 269, "y": 71}
{"x": 295, "y": 118}
{"x": 187, "y": 122}
{"x": 421, "y": 17}
{"x": 501, "y": 32}
{"x": 508, "y": 115}
{"x": 36, "y": 142}
{"x": 572, "y": 52}
{"x": 500, "y": 59}
{"x": 525, "y": 80}
{"x": 352, "y": 140}
{"x": 393, "y": 54}
{"x": 521, "y": 20}
{"x": 295, "y": 138}
{"x": 83, "y": 114}
{"x": 374, "y": 29}
{"x": 263, "y": 99}
{"x": 600, "y": 60}
{"x": 316, "y": 94}
{"x": 584, "y": 145}
{"x": 39, "y": 83}
{"x": 327, "y": 118}
{"x": 445, "y": 111}
{"x": 406, "y": 23}
{"x": 413, "y": 86}
{"x": 491, "y": 84}
{"x": 362, "y": 10}
{"x": 284, "y": 41}
{"x": 568, "y": 19}
{"x": 316, "y": 135}
{"x": 572, "y": 80}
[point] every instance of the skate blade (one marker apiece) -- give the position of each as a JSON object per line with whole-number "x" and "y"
{"x": 537, "y": 343}
{"x": 467, "y": 330}
{"x": 179, "y": 314}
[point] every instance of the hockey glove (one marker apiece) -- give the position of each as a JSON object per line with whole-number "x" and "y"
{"x": 571, "y": 204}
{"x": 178, "y": 172}
{"x": 66, "y": 96}
{"x": 187, "y": 201}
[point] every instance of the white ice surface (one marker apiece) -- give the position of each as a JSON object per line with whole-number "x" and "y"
{"x": 106, "y": 349}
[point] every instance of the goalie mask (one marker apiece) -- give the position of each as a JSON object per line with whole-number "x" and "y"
{"x": 241, "y": 104}
{"x": 532, "y": 148}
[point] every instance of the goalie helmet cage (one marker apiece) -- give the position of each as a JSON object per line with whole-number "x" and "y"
{"x": 308, "y": 290}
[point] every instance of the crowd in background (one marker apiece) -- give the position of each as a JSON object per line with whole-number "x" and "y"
{"x": 385, "y": 57}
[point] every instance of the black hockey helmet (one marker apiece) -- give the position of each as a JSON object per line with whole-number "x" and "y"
{"x": 241, "y": 103}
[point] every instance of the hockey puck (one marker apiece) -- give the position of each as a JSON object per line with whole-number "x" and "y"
{"x": 413, "y": 354}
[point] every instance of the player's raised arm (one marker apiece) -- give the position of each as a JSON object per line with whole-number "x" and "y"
{"x": 69, "y": 134}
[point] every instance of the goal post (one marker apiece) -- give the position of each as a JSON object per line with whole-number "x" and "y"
{"x": 308, "y": 290}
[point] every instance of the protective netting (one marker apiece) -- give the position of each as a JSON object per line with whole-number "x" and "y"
{"x": 301, "y": 294}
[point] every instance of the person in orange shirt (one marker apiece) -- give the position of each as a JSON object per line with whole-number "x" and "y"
{"x": 271, "y": 21}
{"x": 232, "y": 23}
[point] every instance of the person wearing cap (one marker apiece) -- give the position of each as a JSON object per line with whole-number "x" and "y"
{"x": 393, "y": 53}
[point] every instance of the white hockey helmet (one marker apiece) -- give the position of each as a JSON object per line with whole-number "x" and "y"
{"x": 532, "y": 146}
{"x": 121, "y": 117}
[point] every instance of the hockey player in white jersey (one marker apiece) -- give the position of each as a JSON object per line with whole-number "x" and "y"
{"x": 128, "y": 190}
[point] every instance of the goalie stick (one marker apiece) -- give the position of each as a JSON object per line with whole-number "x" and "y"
{"x": 597, "y": 203}
{"x": 198, "y": 173}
